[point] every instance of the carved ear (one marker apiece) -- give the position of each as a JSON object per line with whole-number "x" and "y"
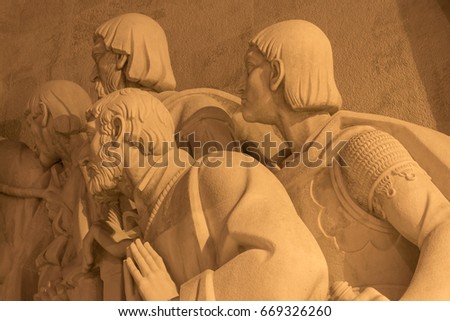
{"x": 117, "y": 125}
{"x": 121, "y": 60}
{"x": 277, "y": 74}
{"x": 43, "y": 110}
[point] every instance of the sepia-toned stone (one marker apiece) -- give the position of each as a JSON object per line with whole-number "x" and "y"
{"x": 358, "y": 201}
{"x": 209, "y": 237}
{"x": 360, "y": 182}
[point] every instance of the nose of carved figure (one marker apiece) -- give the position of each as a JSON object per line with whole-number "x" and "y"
{"x": 240, "y": 88}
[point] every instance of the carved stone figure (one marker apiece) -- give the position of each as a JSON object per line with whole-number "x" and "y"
{"x": 131, "y": 50}
{"x": 361, "y": 183}
{"x": 25, "y": 229}
{"x": 56, "y": 115}
{"x": 220, "y": 228}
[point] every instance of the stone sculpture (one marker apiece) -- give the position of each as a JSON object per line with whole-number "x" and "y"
{"x": 24, "y": 223}
{"x": 206, "y": 236}
{"x": 359, "y": 182}
{"x": 56, "y": 115}
{"x": 131, "y": 50}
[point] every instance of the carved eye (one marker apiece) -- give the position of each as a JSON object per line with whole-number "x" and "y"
{"x": 96, "y": 56}
{"x": 249, "y": 68}
{"x": 90, "y": 132}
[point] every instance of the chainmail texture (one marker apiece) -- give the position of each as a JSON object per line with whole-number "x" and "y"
{"x": 368, "y": 155}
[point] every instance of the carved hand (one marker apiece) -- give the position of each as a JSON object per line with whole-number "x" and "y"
{"x": 152, "y": 279}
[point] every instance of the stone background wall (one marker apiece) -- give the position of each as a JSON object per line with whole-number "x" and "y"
{"x": 392, "y": 57}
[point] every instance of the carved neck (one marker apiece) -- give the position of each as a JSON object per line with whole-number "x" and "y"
{"x": 298, "y": 126}
{"x": 132, "y": 84}
{"x": 149, "y": 181}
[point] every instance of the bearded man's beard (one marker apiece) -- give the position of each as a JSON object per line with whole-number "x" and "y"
{"x": 115, "y": 80}
{"x": 101, "y": 92}
{"x": 103, "y": 182}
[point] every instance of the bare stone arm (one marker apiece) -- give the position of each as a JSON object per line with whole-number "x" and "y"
{"x": 422, "y": 214}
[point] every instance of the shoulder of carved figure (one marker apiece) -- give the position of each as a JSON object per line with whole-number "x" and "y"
{"x": 203, "y": 97}
{"x": 368, "y": 162}
{"x": 231, "y": 173}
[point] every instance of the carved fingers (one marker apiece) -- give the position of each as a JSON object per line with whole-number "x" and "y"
{"x": 149, "y": 272}
{"x": 131, "y": 291}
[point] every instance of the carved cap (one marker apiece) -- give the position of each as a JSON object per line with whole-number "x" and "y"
{"x": 144, "y": 42}
{"x": 306, "y": 54}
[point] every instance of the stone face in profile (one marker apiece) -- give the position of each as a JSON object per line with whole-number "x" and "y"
{"x": 220, "y": 228}
{"x": 47, "y": 203}
{"x": 56, "y": 116}
{"x": 359, "y": 182}
{"x": 131, "y": 50}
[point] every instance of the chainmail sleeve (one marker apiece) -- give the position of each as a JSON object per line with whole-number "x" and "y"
{"x": 371, "y": 159}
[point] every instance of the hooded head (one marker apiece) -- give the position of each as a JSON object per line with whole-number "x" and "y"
{"x": 141, "y": 47}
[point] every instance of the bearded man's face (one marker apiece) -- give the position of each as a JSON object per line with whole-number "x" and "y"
{"x": 103, "y": 171}
{"x": 105, "y": 74}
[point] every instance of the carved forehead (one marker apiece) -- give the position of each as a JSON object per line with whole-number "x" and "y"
{"x": 99, "y": 46}
{"x": 253, "y": 54}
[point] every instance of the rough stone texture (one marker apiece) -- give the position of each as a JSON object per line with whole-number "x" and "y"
{"x": 391, "y": 56}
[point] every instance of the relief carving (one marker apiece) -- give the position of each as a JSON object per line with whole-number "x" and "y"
{"x": 149, "y": 193}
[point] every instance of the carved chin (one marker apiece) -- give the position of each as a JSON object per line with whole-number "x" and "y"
{"x": 114, "y": 82}
{"x": 103, "y": 181}
{"x": 97, "y": 186}
{"x": 101, "y": 92}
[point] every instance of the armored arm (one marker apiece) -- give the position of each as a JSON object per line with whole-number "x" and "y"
{"x": 385, "y": 180}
